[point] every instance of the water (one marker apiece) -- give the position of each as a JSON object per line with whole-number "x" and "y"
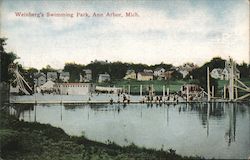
{"x": 218, "y": 130}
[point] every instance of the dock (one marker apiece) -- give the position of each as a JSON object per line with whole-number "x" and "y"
{"x": 99, "y": 99}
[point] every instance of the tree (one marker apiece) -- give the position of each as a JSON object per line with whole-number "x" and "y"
{"x": 74, "y": 70}
{"x": 48, "y": 68}
{"x": 5, "y": 60}
{"x": 244, "y": 70}
{"x": 161, "y": 65}
{"x": 176, "y": 75}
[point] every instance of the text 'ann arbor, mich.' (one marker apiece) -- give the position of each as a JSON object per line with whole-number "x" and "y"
{"x": 76, "y": 14}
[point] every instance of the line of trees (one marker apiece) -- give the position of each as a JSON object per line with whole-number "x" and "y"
{"x": 117, "y": 70}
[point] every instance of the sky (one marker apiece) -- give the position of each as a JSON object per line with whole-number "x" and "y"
{"x": 169, "y": 31}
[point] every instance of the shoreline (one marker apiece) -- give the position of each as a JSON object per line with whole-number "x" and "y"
{"x": 26, "y": 140}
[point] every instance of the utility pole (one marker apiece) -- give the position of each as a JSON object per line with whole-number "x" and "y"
{"x": 141, "y": 90}
{"x": 163, "y": 91}
{"x": 208, "y": 86}
{"x": 231, "y": 80}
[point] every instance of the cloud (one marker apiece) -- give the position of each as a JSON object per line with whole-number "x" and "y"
{"x": 187, "y": 33}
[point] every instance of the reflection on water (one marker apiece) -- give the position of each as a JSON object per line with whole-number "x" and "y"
{"x": 220, "y": 130}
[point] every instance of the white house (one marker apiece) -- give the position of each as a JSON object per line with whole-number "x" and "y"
{"x": 64, "y": 76}
{"x": 39, "y": 79}
{"x": 159, "y": 71}
{"x": 130, "y": 74}
{"x": 103, "y": 77}
{"x": 144, "y": 76}
{"x": 87, "y": 77}
{"x": 52, "y": 76}
{"x": 217, "y": 73}
{"x": 49, "y": 85}
{"x": 183, "y": 72}
{"x": 186, "y": 68}
{"x": 224, "y": 74}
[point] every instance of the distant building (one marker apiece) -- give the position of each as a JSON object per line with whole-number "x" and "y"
{"x": 148, "y": 71}
{"x": 64, "y": 76}
{"x": 130, "y": 74}
{"x": 186, "y": 68}
{"x": 87, "y": 77}
{"x": 184, "y": 73}
{"x": 144, "y": 76}
{"x": 159, "y": 71}
{"x": 52, "y": 76}
{"x": 74, "y": 88}
{"x": 103, "y": 77}
{"x": 224, "y": 74}
{"x": 48, "y": 86}
{"x": 168, "y": 75}
{"x": 39, "y": 79}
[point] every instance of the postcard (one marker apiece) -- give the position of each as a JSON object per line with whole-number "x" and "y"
{"x": 120, "y": 79}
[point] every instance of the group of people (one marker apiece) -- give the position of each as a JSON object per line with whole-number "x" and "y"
{"x": 160, "y": 99}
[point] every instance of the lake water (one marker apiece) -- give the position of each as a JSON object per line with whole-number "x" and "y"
{"x": 219, "y": 130}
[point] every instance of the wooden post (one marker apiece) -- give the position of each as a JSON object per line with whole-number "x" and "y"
{"x": 152, "y": 86}
{"x": 212, "y": 91}
{"x": 35, "y": 98}
{"x": 61, "y": 93}
{"x": 187, "y": 93}
{"x": 236, "y": 91}
{"x": 167, "y": 91}
{"x": 224, "y": 92}
{"x": 231, "y": 81}
{"x": 35, "y": 113}
{"x": 163, "y": 91}
{"x": 141, "y": 90}
{"x": 208, "y": 86}
{"x": 208, "y": 113}
{"x": 128, "y": 89}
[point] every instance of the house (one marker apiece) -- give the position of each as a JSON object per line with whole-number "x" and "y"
{"x": 39, "y": 79}
{"x": 87, "y": 77}
{"x": 74, "y": 88}
{"x": 159, "y": 71}
{"x": 224, "y": 74}
{"x": 48, "y": 86}
{"x": 64, "y": 76}
{"x": 103, "y": 77}
{"x": 183, "y": 72}
{"x": 168, "y": 75}
{"x": 186, "y": 68}
{"x": 144, "y": 76}
{"x": 217, "y": 73}
{"x": 52, "y": 76}
{"x": 130, "y": 74}
{"x": 147, "y": 71}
